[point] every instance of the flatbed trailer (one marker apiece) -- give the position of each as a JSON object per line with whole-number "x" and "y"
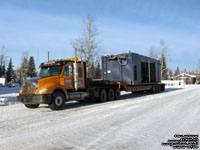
{"x": 113, "y": 89}
{"x": 65, "y": 80}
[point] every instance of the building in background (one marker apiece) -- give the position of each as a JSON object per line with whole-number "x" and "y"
{"x": 187, "y": 78}
{"x": 2, "y": 81}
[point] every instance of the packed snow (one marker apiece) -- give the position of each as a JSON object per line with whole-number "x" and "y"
{"x": 135, "y": 122}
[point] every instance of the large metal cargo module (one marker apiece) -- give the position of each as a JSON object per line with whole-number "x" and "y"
{"x": 131, "y": 68}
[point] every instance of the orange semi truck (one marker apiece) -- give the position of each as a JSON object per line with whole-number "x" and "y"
{"x": 65, "y": 80}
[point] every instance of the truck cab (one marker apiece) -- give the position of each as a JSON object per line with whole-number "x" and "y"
{"x": 59, "y": 81}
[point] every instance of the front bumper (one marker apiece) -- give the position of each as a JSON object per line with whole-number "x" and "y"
{"x": 35, "y": 99}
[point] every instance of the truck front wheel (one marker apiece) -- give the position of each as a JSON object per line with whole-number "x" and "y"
{"x": 32, "y": 105}
{"x": 58, "y": 101}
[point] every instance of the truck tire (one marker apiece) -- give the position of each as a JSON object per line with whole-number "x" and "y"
{"x": 32, "y": 105}
{"x": 156, "y": 87}
{"x": 159, "y": 89}
{"x": 153, "y": 90}
{"x": 117, "y": 94}
{"x": 103, "y": 95}
{"x": 111, "y": 94}
{"x": 162, "y": 87}
{"x": 58, "y": 101}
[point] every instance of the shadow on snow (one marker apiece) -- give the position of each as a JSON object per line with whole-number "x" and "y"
{"x": 77, "y": 104}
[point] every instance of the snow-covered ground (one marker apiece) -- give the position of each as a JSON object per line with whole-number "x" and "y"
{"x": 8, "y": 95}
{"x": 135, "y": 122}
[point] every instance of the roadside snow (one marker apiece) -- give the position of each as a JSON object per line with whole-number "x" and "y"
{"x": 135, "y": 122}
{"x": 8, "y": 95}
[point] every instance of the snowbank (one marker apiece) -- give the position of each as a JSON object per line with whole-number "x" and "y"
{"x": 8, "y": 95}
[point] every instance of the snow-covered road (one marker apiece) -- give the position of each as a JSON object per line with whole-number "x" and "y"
{"x": 135, "y": 122}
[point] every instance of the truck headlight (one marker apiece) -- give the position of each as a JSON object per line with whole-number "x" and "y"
{"x": 43, "y": 90}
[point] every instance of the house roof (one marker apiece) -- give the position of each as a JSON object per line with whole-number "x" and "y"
{"x": 185, "y": 74}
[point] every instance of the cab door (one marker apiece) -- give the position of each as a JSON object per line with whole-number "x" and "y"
{"x": 81, "y": 76}
{"x": 68, "y": 76}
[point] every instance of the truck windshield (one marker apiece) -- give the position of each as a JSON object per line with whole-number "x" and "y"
{"x": 50, "y": 71}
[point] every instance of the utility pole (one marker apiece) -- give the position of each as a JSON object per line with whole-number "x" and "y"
{"x": 47, "y": 56}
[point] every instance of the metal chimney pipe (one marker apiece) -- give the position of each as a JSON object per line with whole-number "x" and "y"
{"x": 149, "y": 70}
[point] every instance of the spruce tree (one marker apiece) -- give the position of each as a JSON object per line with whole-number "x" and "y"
{"x": 170, "y": 74}
{"x": 98, "y": 71}
{"x": 3, "y": 71}
{"x": 163, "y": 67}
{"x": 185, "y": 70}
{"x": 92, "y": 71}
{"x": 24, "y": 68}
{"x": 10, "y": 72}
{"x": 31, "y": 68}
{"x": 177, "y": 71}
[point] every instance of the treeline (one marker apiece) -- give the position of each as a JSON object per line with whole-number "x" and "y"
{"x": 26, "y": 70}
{"x": 88, "y": 47}
{"x": 166, "y": 72}
{"x": 95, "y": 71}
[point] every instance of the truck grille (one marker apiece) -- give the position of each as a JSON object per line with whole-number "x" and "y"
{"x": 29, "y": 88}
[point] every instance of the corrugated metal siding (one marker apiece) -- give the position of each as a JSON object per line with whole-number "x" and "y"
{"x": 112, "y": 70}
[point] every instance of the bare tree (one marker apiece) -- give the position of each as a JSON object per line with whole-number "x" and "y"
{"x": 153, "y": 53}
{"x": 88, "y": 45}
{"x": 163, "y": 61}
{"x": 163, "y": 47}
{"x": 3, "y": 60}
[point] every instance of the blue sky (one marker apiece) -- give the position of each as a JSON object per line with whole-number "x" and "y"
{"x": 38, "y": 26}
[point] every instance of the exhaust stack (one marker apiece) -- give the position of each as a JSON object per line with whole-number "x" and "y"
{"x": 75, "y": 71}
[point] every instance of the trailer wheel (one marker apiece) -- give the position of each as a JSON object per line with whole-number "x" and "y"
{"x": 32, "y": 105}
{"x": 117, "y": 94}
{"x": 103, "y": 96}
{"x": 58, "y": 101}
{"x": 162, "y": 87}
{"x": 156, "y": 89}
{"x": 153, "y": 90}
{"x": 159, "y": 89}
{"x": 111, "y": 94}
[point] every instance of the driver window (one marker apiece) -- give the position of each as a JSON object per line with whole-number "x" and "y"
{"x": 66, "y": 71}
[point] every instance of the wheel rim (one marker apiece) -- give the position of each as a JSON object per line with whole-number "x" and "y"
{"x": 117, "y": 94}
{"x": 58, "y": 101}
{"x": 103, "y": 96}
{"x": 111, "y": 94}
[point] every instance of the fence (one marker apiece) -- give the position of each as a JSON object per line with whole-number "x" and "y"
{"x": 173, "y": 82}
